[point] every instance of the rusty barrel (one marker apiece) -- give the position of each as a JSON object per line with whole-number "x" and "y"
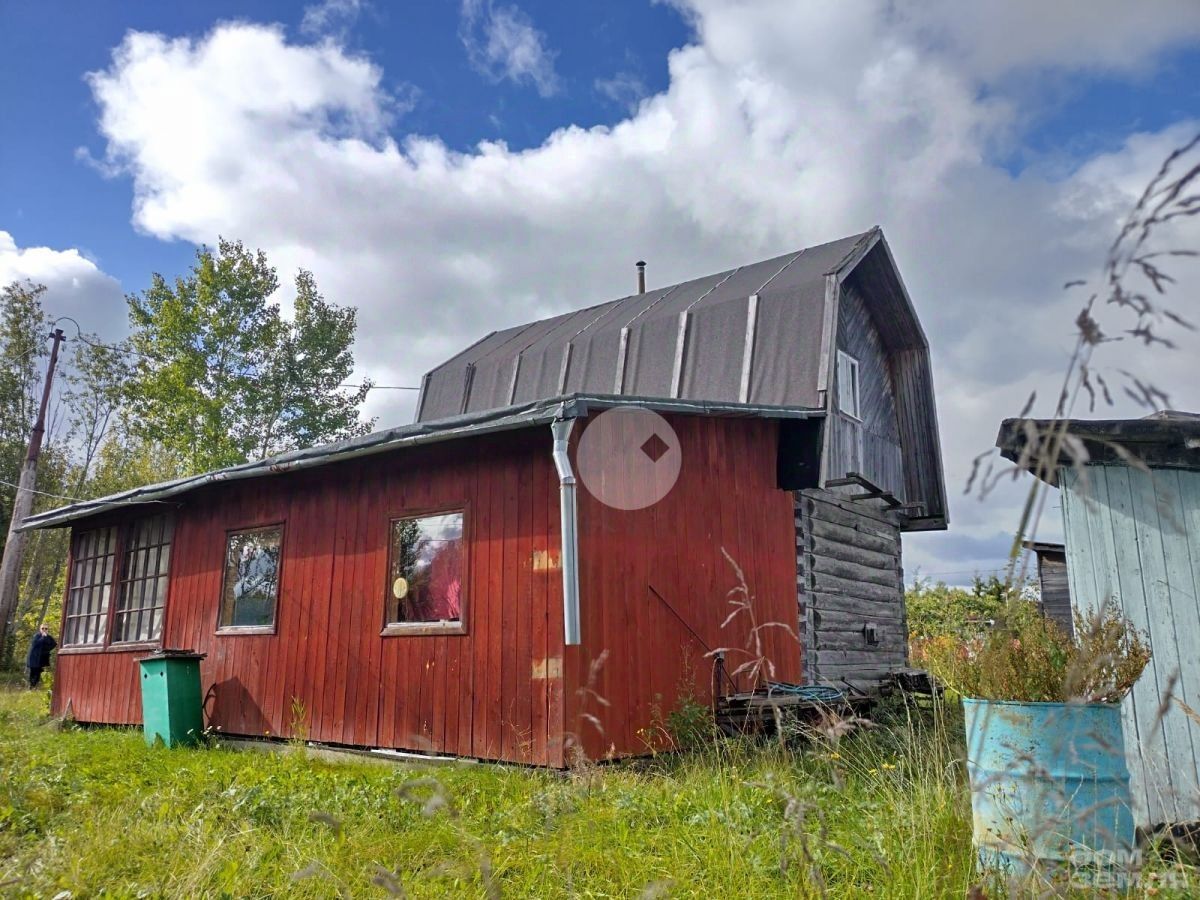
{"x": 1049, "y": 787}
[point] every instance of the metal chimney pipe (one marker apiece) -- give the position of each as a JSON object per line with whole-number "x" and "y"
{"x": 641, "y": 267}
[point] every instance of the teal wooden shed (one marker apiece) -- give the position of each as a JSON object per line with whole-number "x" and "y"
{"x": 1131, "y": 521}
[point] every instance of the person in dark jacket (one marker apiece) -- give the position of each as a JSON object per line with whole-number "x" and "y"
{"x": 39, "y": 655}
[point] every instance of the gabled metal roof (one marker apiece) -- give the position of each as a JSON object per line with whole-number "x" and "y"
{"x": 456, "y": 427}
{"x": 748, "y": 335}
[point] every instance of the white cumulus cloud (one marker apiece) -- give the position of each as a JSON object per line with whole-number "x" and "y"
{"x": 75, "y": 286}
{"x": 783, "y": 125}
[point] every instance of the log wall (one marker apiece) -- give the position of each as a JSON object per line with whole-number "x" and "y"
{"x": 850, "y": 583}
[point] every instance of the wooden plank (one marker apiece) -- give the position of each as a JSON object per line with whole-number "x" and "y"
{"x": 556, "y": 703}
{"x": 1091, "y": 571}
{"x": 831, "y": 507}
{"x": 373, "y": 584}
{"x": 361, "y": 680}
{"x": 824, "y": 563}
{"x": 839, "y": 618}
{"x": 824, "y": 582}
{"x": 1156, "y": 585}
{"x": 1187, "y": 616}
{"x": 1114, "y": 504}
{"x": 866, "y": 659}
{"x": 1182, "y": 613}
{"x": 848, "y": 553}
{"x": 540, "y": 575}
{"x": 523, "y": 644}
{"x": 494, "y": 635}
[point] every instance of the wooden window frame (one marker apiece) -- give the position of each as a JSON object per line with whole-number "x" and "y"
{"x": 243, "y": 630}
{"x": 68, "y": 616}
{"x": 123, "y": 579}
{"x": 426, "y": 629}
{"x": 856, "y": 386}
{"x": 108, "y": 645}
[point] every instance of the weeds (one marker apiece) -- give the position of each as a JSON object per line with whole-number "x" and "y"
{"x": 1030, "y": 658}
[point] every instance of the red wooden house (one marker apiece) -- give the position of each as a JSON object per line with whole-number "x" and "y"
{"x": 446, "y": 587}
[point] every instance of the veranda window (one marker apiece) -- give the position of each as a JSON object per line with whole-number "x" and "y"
{"x": 251, "y": 587}
{"x": 93, "y": 559}
{"x": 143, "y": 596}
{"x": 426, "y": 571}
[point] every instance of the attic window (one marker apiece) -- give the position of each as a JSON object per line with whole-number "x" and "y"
{"x": 848, "y": 385}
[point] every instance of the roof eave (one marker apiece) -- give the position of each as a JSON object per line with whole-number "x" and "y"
{"x": 471, "y": 425}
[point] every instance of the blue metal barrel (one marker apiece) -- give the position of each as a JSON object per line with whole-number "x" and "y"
{"x": 1049, "y": 786}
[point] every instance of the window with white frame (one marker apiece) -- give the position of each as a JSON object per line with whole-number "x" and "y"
{"x": 848, "y": 385}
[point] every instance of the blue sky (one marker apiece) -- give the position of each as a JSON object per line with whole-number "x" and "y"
{"x": 52, "y": 197}
{"x": 997, "y": 142}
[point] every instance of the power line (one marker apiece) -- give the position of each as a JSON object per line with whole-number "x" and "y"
{"x": 75, "y": 499}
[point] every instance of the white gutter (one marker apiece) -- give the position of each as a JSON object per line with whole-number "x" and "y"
{"x": 561, "y": 428}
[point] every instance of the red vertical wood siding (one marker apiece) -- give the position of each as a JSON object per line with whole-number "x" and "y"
{"x": 507, "y": 689}
{"x": 475, "y": 694}
{"x": 725, "y": 497}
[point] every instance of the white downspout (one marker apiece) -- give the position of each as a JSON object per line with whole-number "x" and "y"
{"x": 561, "y": 429}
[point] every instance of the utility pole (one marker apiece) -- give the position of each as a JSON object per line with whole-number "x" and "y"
{"x": 14, "y": 547}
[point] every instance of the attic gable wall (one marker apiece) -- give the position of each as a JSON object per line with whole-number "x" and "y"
{"x": 870, "y": 447}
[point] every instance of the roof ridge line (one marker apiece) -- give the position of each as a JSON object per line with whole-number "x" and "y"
{"x": 862, "y": 239}
{"x": 762, "y": 287}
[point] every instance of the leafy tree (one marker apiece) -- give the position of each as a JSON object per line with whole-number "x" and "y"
{"x": 96, "y": 379}
{"x": 222, "y": 376}
{"x": 23, "y": 328}
{"x": 89, "y": 389}
{"x": 937, "y": 609}
{"x": 128, "y": 460}
{"x": 301, "y": 401}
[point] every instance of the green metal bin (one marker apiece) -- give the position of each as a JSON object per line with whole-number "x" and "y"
{"x": 172, "y": 705}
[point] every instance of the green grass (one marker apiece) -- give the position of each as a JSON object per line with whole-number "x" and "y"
{"x": 883, "y": 812}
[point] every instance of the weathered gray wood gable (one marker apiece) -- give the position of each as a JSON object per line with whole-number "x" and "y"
{"x": 894, "y": 442}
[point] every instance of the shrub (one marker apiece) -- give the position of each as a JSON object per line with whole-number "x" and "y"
{"x": 1030, "y": 658}
{"x": 936, "y": 609}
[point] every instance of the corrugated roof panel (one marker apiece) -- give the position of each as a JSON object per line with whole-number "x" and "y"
{"x": 593, "y": 362}
{"x": 490, "y": 384}
{"x": 686, "y": 294}
{"x": 785, "y": 371}
{"x": 743, "y": 282}
{"x": 716, "y": 335}
{"x": 443, "y": 388}
{"x": 650, "y": 358}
